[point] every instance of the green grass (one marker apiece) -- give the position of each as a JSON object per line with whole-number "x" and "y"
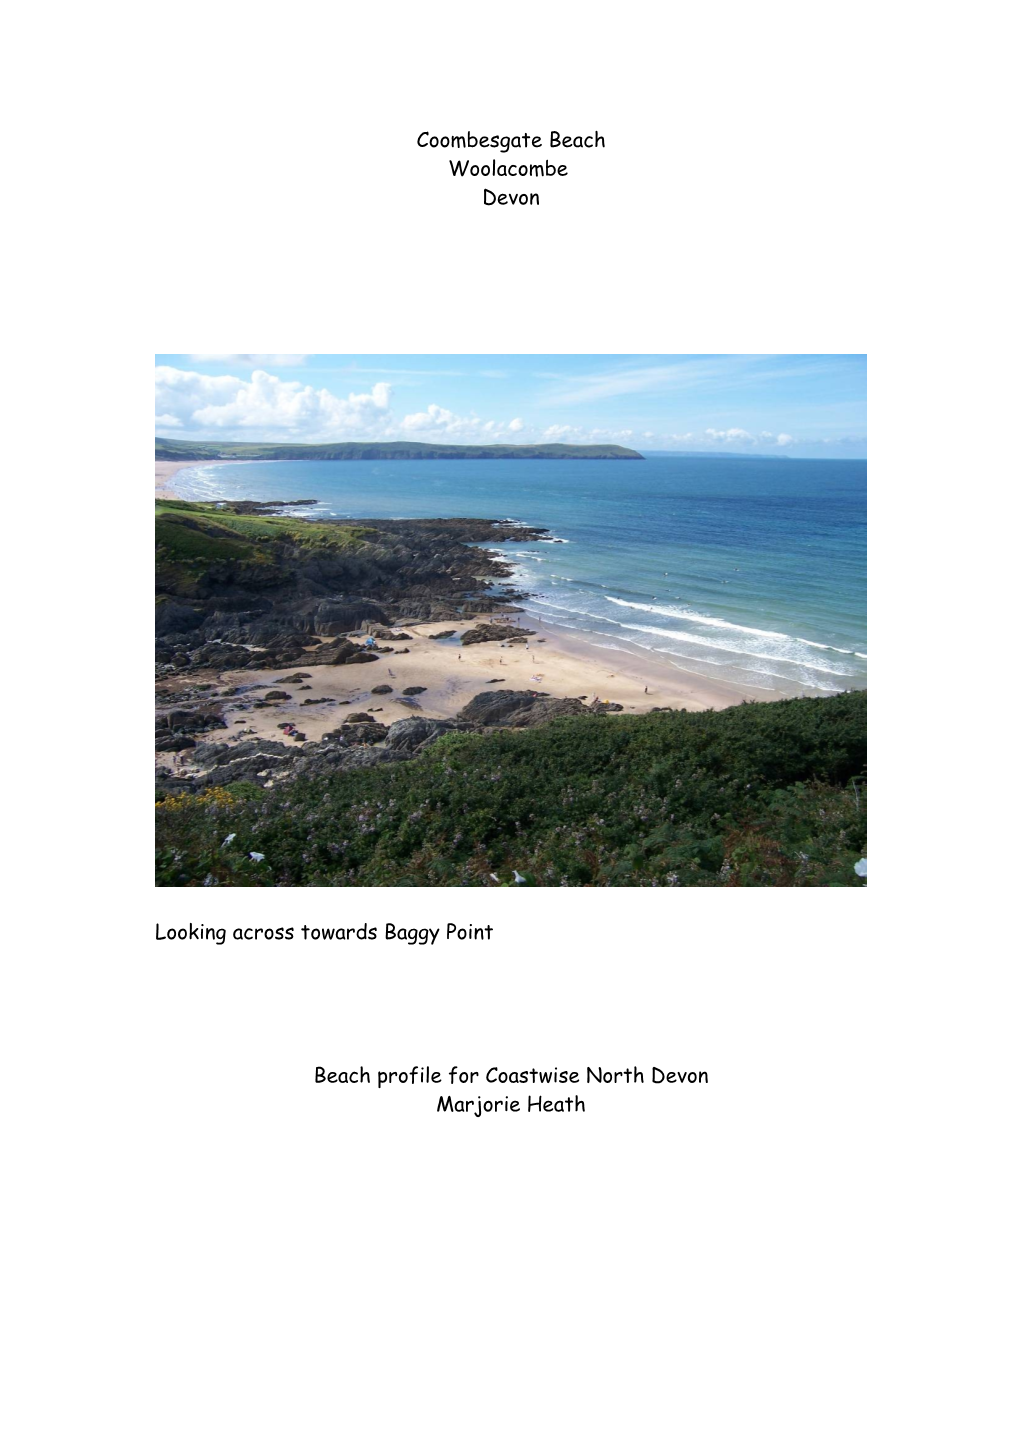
{"x": 764, "y": 794}
{"x": 219, "y": 523}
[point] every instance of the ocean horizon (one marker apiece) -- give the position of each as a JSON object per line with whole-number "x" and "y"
{"x": 744, "y": 570}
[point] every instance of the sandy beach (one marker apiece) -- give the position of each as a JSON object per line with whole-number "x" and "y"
{"x": 452, "y": 675}
{"x": 165, "y": 472}
{"x": 555, "y": 661}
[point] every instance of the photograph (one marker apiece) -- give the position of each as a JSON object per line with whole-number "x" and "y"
{"x": 511, "y": 620}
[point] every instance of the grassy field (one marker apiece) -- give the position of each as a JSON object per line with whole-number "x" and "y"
{"x": 190, "y": 528}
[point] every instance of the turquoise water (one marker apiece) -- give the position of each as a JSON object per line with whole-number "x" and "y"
{"x": 737, "y": 569}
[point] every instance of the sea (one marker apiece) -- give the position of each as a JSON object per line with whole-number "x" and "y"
{"x": 746, "y": 570}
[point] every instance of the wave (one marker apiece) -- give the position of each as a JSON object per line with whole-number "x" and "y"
{"x": 686, "y": 614}
{"x": 686, "y": 636}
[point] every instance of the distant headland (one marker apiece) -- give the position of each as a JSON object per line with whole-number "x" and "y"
{"x": 382, "y": 451}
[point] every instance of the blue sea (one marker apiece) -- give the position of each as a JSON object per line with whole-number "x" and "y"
{"x": 739, "y": 569}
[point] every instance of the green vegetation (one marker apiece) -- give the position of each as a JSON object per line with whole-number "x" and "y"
{"x": 764, "y": 794}
{"x": 197, "y": 544}
{"x": 180, "y": 523}
{"x": 382, "y": 451}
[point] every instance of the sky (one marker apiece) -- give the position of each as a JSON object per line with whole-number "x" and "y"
{"x": 807, "y": 406}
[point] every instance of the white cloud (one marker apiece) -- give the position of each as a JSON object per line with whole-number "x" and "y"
{"x": 252, "y": 360}
{"x": 275, "y": 409}
{"x": 436, "y": 423}
{"x": 167, "y": 423}
{"x": 742, "y": 440}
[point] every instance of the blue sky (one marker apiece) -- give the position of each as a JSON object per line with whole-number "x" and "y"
{"x": 756, "y": 405}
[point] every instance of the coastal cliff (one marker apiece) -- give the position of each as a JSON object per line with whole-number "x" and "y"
{"x": 242, "y": 575}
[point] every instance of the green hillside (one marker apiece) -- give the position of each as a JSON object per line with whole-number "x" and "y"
{"x": 382, "y": 451}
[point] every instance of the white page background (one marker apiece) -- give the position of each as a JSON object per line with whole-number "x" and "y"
{"x": 204, "y": 1244}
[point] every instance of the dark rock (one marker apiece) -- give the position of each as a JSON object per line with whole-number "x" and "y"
{"x": 364, "y": 733}
{"x": 181, "y": 720}
{"x": 411, "y": 734}
{"x": 383, "y": 633}
{"x": 333, "y": 618}
{"x": 340, "y": 653}
{"x": 225, "y": 656}
{"x": 442, "y": 635}
{"x": 208, "y": 752}
{"x": 322, "y": 760}
{"x": 518, "y": 708}
{"x": 174, "y": 616}
{"x": 383, "y": 690}
{"x": 245, "y": 761}
{"x": 317, "y": 701}
{"x": 414, "y": 690}
{"x": 493, "y": 631}
{"x": 175, "y": 743}
{"x": 293, "y": 678}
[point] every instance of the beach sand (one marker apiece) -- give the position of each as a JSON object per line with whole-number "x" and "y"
{"x": 165, "y": 471}
{"x": 557, "y": 664}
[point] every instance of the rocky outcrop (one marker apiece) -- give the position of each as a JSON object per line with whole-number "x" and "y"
{"x": 340, "y": 653}
{"x": 173, "y": 742}
{"x": 412, "y": 734}
{"x": 216, "y": 589}
{"x": 517, "y": 708}
{"x": 493, "y": 631}
{"x": 180, "y": 719}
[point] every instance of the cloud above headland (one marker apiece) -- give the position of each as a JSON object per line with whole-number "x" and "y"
{"x": 265, "y": 406}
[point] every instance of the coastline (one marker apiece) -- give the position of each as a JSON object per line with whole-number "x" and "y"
{"x": 452, "y": 675}
{"x": 555, "y": 661}
{"x": 165, "y": 472}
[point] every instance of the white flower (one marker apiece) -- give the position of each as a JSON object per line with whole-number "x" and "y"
{"x": 227, "y": 840}
{"x": 861, "y": 867}
{"x": 518, "y": 878}
{"x": 257, "y": 856}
